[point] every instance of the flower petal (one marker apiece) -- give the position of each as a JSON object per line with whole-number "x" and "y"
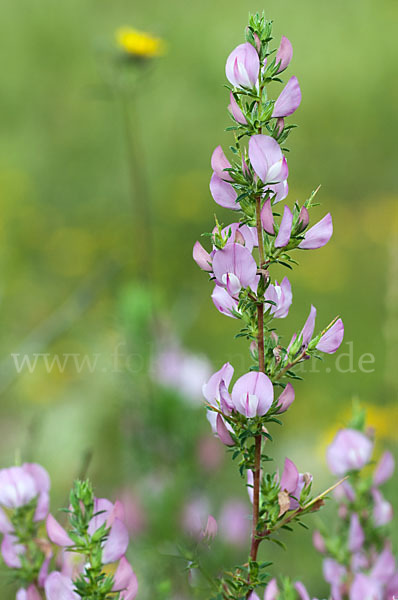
{"x": 288, "y": 100}
{"x": 285, "y": 229}
{"x": 57, "y": 533}
{"x": 290, "y": 477}
{"x": 116, "y": 544}
{"x": 223, "y": 193}
{"x": 284, "y": 54}
{"x": 318, "y": 235}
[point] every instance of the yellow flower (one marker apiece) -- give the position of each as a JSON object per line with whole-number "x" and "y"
{"x": 140, "y": 44}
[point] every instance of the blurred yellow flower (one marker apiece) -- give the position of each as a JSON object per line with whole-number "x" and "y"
{"x": 140, "y": 44}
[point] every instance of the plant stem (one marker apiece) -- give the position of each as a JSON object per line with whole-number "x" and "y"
{"x": 255, "y": 540}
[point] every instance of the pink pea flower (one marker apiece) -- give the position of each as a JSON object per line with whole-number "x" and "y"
{"x": 236, "y": 111}
{"x": 223, "y": 193}
{"x": 267, "y": 217}
{"x": 234, "y": 267}
{"x": 271, "y": 591}
{"x": 286, "y": 398}
{"x": 382, "y": 510}
{"x": 125, "y": 580}
{"x": 234, "y": 524}
{"x": 318, "y": 235}
{"x": 267, "y": 159}
{"x": 333, "y": 572}
{"x": 223, "y": 302}
{"x": 318, "y": 542}
{"x": 211, "y": 389}
{"x": 202, "y": 257}
{"x": 243, "y": 66}
{"x": 301, "y": 590}
{"x": 384, "y": 567}
{"x": 19, "y": 485}
{"x": 350, "y": 450}
{"x": 356, "y": 536}
{"x": 59, "y": 586}
{"x": 116, "y": 544}
{"x": 252, "y": 394}
{"x": 220, "y": 164}
{"x": 309, "y": 326}
{"x": 288, "y": 100}
{"x": 195, "y": 518}
{"x": 293, "y": 482}
{"x": 282, "y": 296}
{"x": 5, "y": 523}
{"x": 284, "y": 54}
{"x": 285, "y": 229}
{"x": 331, "y": 340}
{"x": 222, "y": 431}
{"x": 277, "y": 191}
{"x": 384, "y": 469}
{"x": 12, "y": 551}
{"x": 31, "y": 593}
{"x": 240, "y": 234}
{"x": 216, "y": 393}
{"x": 365, "y": 587}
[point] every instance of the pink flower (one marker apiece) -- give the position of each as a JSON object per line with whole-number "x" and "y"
{"x": 252, "y": 394}
{"x": 115, "y": 545}
{"x": 356, "y": 536}
{"x": 281, "y": 295}
{"x": 30, "y": 594}
{"x": 318, "y": 235}
{"x": 365, "y": 587}
{"x": 288, "y": 100}
{"x": 60, "y": 587}
{"x": 349, "y": 451}
{"x": 285, "y": 229}
{"x": 284, "y": 54}
{"x": 318, "y": 542}
{"x": 286, "y": 398}
{"x": 384, "y": 469}
{"x": 271, "y": 591}
{"x": 243, "y": 66}
{"x": 267, "y": 159}
{"x": 125, "y": 580}
{"x": 331, "y": 340}
{"x": 220, "y": 164}
{"x": 236, "y": 111}
{"x": 234, "y": 267}
{"x": 20, "y": 485}
{"x": 293, "y": 482}
{"x": 202, "y": 257}
{"x": 234, "y": 523}
{"x": 223, "y": 193}
{"x": 223, "y": 302}
{"x": 382, "y": 510}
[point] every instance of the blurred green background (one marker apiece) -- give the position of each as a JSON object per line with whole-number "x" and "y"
{"x": 73, "y": 246}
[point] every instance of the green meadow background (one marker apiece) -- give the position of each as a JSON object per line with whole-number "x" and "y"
{"x": 96, "y": 252}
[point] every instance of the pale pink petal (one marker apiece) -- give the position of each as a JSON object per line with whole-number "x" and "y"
{"x": 223, "y": 193}
{"x": 288, "y": 100}
{"x": 116, "y": 544}
{"x": 332, "y": 339}
{"x": 57, "y": 533}
{"x": 285, "y": 229}
{"x": 236, "y": 111}
{"x": 284, "y": 54}
{"x": 318, "y": 235}
{"x": 290, "y": 477}
{"x": 201, "y": 257}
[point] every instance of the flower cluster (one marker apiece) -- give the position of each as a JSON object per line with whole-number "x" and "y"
{"x": 252, "y": 182}
{"x": 358, "y": 561}
{"x": 75, "y": 566}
